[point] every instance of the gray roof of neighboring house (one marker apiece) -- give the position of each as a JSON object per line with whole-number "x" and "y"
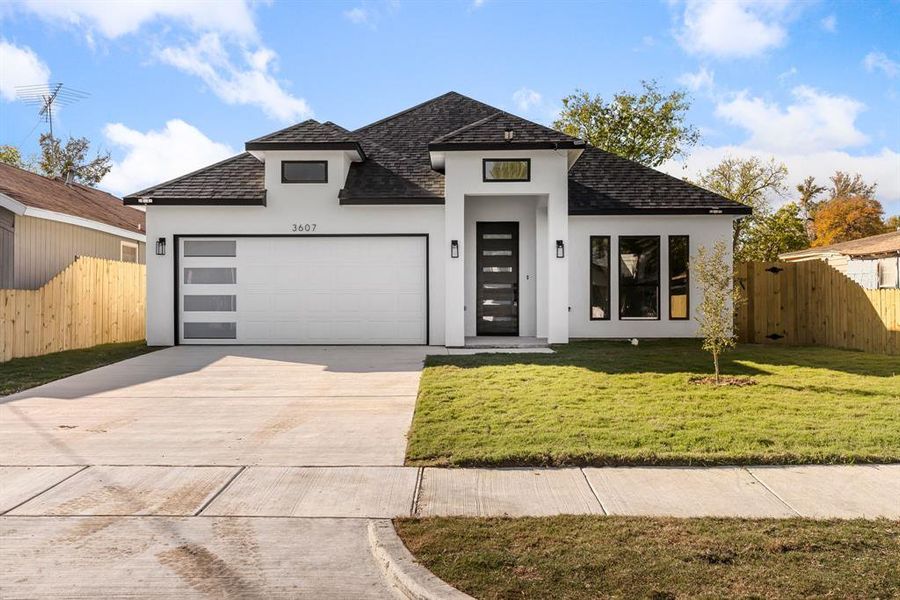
{"x": 396, "y": 166}
{"x": 885, "y": 244}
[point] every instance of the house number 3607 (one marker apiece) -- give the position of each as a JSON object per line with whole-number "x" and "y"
{"x": 303, "y": 227}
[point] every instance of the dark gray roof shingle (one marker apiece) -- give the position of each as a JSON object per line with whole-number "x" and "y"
{"x": 489, "y": 133}
{"x": 604, "y": 183}
{"x": 397, "y": 166}
{"x": 236, "y": 180}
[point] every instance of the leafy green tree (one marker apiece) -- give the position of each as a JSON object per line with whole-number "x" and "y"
{"x": 648, "y": 127}
{"x": 773, "y": 234}
{"x": 10, "y": 155}
{"x": 57, "y": 160}
{"x": 749, "y": 181}
{"x": 715, "y": 316}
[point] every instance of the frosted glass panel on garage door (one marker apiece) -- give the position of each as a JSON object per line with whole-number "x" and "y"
{"x": 331, "y": 290}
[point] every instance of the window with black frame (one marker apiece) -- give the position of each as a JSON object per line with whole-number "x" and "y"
{"x": 679, "y": 277}
{"x": 638, "y": 277}
{"x": 599, "y": 277}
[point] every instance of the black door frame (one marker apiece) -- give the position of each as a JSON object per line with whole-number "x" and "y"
{"x": 516, "y": 286}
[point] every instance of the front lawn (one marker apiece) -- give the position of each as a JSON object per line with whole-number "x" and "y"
{"x": 631, "y": 557}
{"x": 610, "y": 403}
{"x": 22, "y": 373}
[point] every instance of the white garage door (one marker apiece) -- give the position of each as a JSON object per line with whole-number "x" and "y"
{"x": 303, "y": 290}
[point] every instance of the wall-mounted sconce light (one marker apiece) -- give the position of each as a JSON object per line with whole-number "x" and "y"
{"x": 560, "y": 249}
{"x": 161, "y": 246}
{"x": 454, "y": 248}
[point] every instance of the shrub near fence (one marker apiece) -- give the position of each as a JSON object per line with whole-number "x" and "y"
{"x": 93, "y": 301}
{"x": 811, "y": 303}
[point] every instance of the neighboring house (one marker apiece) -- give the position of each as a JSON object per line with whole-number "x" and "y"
{"x": 449, "y": 220}
{"x": 45, "y": 223}
{"x": 873, "y": 262}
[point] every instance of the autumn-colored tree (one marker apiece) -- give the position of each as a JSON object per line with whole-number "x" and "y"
{"x": 892, "y": 223}
{"x": 845, "y": 219}
{"x": 649, "y": 127}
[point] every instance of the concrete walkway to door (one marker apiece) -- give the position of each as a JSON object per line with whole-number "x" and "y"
{"x": 251, "y": 472}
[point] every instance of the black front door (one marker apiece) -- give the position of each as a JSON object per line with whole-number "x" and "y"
{"x": 497, "y": 295}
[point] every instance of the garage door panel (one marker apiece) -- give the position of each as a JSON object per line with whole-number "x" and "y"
{"x": 313, "y": 290}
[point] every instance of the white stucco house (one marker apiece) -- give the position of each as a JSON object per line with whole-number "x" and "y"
{"x": 445, "y": 223}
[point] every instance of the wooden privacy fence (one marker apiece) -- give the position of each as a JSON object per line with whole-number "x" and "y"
{"x": 811, "y": 303}
{"x": 93, "y": 301}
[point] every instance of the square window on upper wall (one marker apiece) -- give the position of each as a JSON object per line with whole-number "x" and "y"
{"x": 304, "y": 171}
{"x": 506, "y": 169}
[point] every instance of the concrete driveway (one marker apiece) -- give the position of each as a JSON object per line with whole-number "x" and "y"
{"x": 169, "y": 475}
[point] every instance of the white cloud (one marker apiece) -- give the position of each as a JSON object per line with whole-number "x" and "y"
{"x": 526, "y": 99}
{"x": 358, "y": 15}
{"x": 115, "y": 19}
{"x": 879, "y": 61}
{"x": 787, "y": 74}
{"x": 733, "y": 28}
{"x": 882, "y": 167}
{"x": 19, "y": 66}
{"x": 478, "y": 3}
{"x": 252, "y": 83}
{"x": 702, "y": 80}
{"x": 815, "y": 121}
{"x": 157, "y": 156}
{"x": 829, "y": 23}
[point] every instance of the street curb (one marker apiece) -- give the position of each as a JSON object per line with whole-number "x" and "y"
{"x": 400, "y": 568}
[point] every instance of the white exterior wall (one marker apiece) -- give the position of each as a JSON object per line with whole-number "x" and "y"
{"x": 863, "y": 271}
{"x": 554, "y": 292}
{"x": 288, "y": 204}
{"x": 549, "y": 182}
{"x": 703, "y": 230}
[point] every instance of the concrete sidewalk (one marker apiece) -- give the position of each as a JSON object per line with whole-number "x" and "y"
{"x": 821, "y": 491}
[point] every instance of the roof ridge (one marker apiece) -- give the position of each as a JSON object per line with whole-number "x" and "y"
{"x": 420, "y": 105}
{"x": 283, "y": 129}
{"x": 180, "y": 177}
{"x": 471, "y": 125}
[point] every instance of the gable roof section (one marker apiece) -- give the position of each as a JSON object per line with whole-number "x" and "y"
{"x": 602, "y": 183}
{"x": 47, "y": 194}
{"x": 488, "y": 134}
{"x": 397, "y": 167}
{"x": 398, "y": 147}
{"x": 235, "y": 181}
{"x": 308, "y": 135}
{"x": 885, "y": 244}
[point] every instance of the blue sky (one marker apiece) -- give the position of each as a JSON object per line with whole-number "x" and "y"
{"x": 177, "y": 85}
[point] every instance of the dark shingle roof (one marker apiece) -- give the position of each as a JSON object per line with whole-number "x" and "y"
{"x": 603, "y": 183}
{"x": 308, "y": 135}
{"x": 236, "y": 180}
{"x": 397, "y": 167}
{"x": 489, "y": 133}
{"x": 73, "y": 199}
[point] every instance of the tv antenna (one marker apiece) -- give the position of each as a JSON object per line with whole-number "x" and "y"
{"x": 47, "y": 96}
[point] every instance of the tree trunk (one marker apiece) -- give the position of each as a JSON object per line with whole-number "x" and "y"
{"x": 716, "y": 363}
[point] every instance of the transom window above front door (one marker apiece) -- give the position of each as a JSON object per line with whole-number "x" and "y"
{"x": 507, "y": 169}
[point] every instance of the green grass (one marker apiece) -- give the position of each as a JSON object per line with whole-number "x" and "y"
{"x": 658, "y": 558}
{"x": 22, "y": 373}
{"x": 610, "y": 403}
